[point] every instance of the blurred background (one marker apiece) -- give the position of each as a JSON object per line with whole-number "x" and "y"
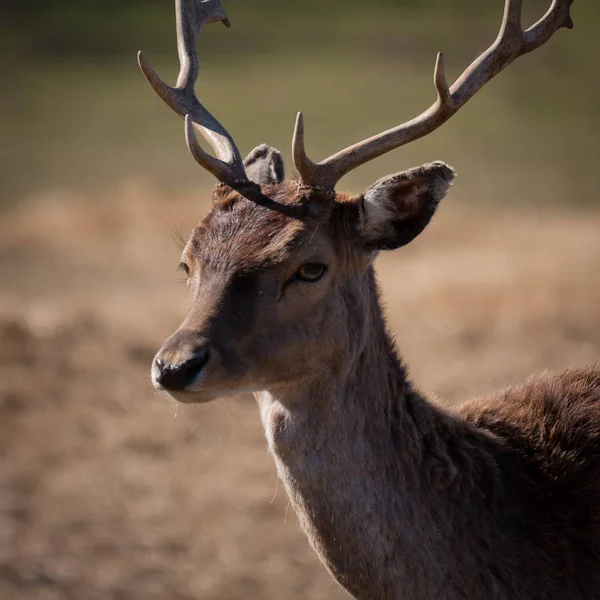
{"x": 108, "y": 490}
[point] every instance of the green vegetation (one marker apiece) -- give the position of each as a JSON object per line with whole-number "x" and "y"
{"x": 76, "y": 113}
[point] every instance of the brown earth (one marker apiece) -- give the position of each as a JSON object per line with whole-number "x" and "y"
{"x": 110, "y": 491}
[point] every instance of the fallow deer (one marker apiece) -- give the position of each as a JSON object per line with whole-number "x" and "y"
{"x": 497, "y": 498}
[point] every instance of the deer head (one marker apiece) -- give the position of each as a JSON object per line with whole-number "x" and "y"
{"x": 280, "y": 271}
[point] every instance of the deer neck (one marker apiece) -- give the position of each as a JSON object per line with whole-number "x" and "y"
{"x": 363, "y": 460}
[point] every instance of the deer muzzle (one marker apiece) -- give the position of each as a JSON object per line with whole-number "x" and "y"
{"x": 181, "y": 361}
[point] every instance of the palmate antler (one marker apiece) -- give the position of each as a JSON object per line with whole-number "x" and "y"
{"x": 511, "y": 43}
{"x": 228, "y": 166}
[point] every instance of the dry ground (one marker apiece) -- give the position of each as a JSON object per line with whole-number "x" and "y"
{"x": 110, "y": 491}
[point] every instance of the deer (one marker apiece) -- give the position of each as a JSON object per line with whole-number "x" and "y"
{"x": 399, "y": 496}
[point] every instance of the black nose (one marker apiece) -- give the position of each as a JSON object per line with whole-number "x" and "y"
{"x": 176, "y": 377}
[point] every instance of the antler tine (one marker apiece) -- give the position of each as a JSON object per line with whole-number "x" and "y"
{"x": 511, "y": 43}
{"x": 192, "y": 15}
{"x": 558, "y": 16}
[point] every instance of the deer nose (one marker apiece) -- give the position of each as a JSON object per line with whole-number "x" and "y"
{"x": 177, "y": 376}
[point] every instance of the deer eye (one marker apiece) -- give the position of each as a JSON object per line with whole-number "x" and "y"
{"x": 311, "y": 272}
{"x": 183, "y": 268}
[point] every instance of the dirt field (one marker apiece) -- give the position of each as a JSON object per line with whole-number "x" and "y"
{"x": 110, "y": 491}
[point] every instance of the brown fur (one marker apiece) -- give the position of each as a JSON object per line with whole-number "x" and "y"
{"x": 498, "y": 498}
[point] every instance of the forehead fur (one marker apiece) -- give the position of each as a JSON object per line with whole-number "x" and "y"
{"x": 251, "y": 227}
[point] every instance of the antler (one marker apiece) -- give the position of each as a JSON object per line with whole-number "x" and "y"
{"x": 191, "y": 16}
{"x": 511, "y": 43}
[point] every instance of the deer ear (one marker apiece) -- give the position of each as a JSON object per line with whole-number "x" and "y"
{"x": 397, "y": 208}
{"x": 264, "y": 165}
